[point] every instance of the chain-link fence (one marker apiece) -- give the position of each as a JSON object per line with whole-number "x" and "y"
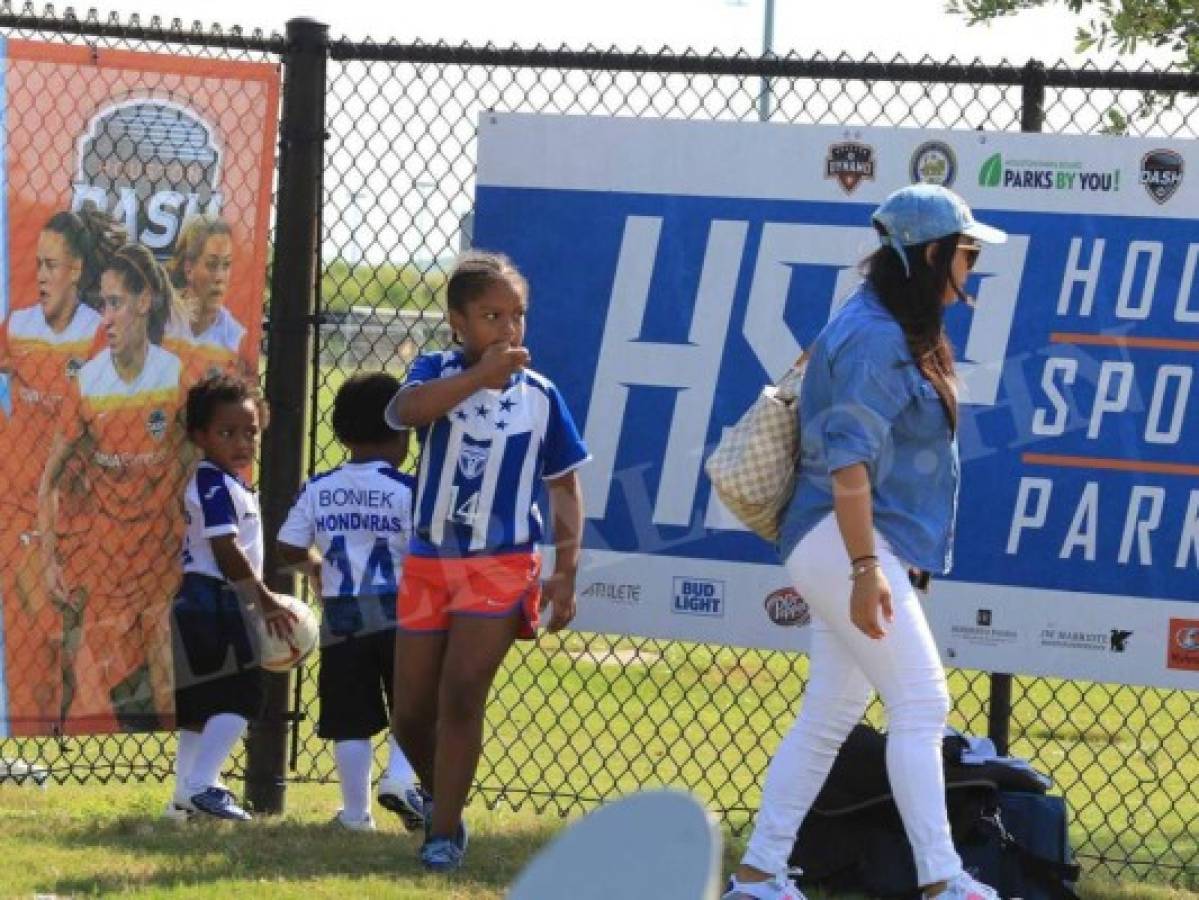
{"x": 581, "y": 718}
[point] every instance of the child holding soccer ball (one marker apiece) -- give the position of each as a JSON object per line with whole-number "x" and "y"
{"x": 218, "y": 682}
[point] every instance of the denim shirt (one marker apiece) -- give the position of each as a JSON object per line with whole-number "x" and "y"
{"x": 864, "y": 400}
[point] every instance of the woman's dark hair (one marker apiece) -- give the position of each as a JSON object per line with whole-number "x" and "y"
{"x": 914, "y": 298}
{"x": 140, "y": 271}
{"x": 475, "y": 272}
{"x": 206, "y": 395}
{"x": 359, "y": 406}
{"x": 92, "y": 237}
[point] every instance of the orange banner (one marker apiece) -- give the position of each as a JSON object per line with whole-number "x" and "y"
{"x": 138, "y": 190}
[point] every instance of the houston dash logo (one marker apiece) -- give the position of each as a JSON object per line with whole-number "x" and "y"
{"x": 1161, "y": 174}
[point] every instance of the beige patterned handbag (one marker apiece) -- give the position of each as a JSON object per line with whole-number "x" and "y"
{"x": 753, "y": 466}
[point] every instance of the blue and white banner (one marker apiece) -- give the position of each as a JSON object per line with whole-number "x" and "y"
{"x": 678, "y": 266}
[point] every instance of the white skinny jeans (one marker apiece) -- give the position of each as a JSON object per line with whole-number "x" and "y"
{"x": 845, "y": 664}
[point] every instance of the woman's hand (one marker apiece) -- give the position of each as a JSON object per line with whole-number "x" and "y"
{"x": 559, "y": 594}
{"x": 870, "y": 603}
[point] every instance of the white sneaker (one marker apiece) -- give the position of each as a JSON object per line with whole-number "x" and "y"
{"x": 175, "y": 812}
{"x": 780, "y": 887}
{"x": 367, "y": 824}
{"x": 964, "y": 886}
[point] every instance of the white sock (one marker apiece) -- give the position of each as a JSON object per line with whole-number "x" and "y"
{"x": 354, "y": 773}
{"x": 220, "y": 734}
{"x": 185, "y": 760}
{"x": 397, "y": 763}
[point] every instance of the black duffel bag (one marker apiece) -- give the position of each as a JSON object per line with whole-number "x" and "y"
{"x": 1009, "y": 833}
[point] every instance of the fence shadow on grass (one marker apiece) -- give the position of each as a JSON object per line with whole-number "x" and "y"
{"x": 284, "y": 851}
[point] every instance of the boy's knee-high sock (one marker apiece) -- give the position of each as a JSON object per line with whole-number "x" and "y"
{"x": 217, "y": 740}
{"x": 354, "y": 773}
{"x": 185, "y": 760}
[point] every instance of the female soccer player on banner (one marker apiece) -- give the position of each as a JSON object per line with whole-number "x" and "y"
{"x": 42, "y": 347}
{"x": 490, "y": 429}
{"x": 211, "y": 340}
{"x": 875, "y": 500}
{"x": 122, "y": 419}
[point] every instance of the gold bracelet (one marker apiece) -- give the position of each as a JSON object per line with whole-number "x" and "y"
{"x": 861, "y": 569}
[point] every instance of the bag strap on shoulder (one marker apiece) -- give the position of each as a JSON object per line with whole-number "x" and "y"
{"x": 787, "y": 386}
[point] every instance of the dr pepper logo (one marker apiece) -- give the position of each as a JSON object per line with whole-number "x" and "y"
{"x": 1182, "y": 650}
{"x": 850, "y": 163}
{"x": 786, "y": 608}
{"x": 1161, "y": 174}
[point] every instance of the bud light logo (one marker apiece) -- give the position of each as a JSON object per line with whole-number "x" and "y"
{"x": 787, "y": 609}
{"x": 698, "y": 597}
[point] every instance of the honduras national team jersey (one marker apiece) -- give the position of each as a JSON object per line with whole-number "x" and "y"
{"x": 482, "y": 462}
{"x": 217, "y": 503}
{"x": 359, "y": 516}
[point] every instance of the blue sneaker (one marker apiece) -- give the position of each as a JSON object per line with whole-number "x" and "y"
{"x": 218, "y": 803}
{"x": 406, "y": 800}
{"x": 444, "y": 854}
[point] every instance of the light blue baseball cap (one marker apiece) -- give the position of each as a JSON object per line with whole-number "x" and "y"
{"x": 921, "y": 213}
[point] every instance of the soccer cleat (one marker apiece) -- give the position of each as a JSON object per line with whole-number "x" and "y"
{"x": 964, "y": 886}
{"x": 780, "y": 887}
{"x": 177, "y": 812}
{"x": 367, "y": 824}
{"x": 444, "y": 854}
{"x": 219, "y": 804}
{"x": 404, "y": 799}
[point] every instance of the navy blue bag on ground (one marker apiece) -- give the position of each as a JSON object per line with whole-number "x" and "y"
{"x": 1014, "y": 840}
{"x": 1024, "y": 850}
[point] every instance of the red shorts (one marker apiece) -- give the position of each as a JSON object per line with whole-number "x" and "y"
{"x": 435, "y": 588}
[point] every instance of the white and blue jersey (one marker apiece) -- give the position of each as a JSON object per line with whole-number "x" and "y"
{"x": 482, "y": 463}
{"x": 218, "y": 503}
{"x": 359, "y": 516}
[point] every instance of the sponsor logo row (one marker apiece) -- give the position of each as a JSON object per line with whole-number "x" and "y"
{"x": 1182, "y": 638}
{"x": 704, "y": 597}
{"x": 785, "y": 608}
{"x": 851, "y": 162}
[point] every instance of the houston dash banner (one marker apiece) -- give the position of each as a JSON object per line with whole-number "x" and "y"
{"x": 678, "y": 266}
{"x": 136, "y": 197}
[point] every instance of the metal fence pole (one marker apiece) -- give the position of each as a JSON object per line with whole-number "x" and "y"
{"x": 293, "y": 295}
{"x": 1032, "y": 117}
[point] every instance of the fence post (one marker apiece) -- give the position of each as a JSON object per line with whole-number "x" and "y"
{"x": 1032, "y": 118}
{"x": 293, "y": 295}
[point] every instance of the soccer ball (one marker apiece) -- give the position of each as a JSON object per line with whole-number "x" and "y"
{"x": 284, "y": 655}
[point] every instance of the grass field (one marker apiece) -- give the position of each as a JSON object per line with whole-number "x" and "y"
{"x": 72, "y": 841}
{"x": 576, "y": 720}
{"x": 107, "y": 840}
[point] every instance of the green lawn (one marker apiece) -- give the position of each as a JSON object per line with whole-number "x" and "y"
{"x": 107, "y": 840}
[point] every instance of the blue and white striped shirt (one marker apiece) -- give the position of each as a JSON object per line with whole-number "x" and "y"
{"x": 482, "y": 462}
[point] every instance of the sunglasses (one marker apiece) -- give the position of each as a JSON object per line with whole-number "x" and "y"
{"x": 971, "y": 250}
